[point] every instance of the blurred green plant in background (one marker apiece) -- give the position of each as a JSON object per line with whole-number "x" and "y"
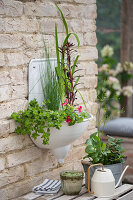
{"x": 111, "y": 78}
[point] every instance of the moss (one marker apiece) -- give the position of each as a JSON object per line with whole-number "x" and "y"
{"x": 71, "y": 175}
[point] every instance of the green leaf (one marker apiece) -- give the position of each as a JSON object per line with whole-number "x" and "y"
{"x": 77, "y": 80}
{"x": 88, "y": 142}
{"x": 57, "y": 50}
{"x": 74, "y": 65}
{"x": 81, "y": 97}
{"x": 63, "y": 19}
{"x": 89, "y": 149}
{"x": 103, "y": 147}
{"x": 67, "y": 37}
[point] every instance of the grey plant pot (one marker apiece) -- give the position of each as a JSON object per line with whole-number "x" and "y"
{"x": 115, "y": 168}
{"x": 71, "y": 185}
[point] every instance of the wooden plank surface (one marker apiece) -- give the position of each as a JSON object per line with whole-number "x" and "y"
{"x": 124, "y": 192}
{"x": 71, "y": 197}
{"x": 128, "y": 196}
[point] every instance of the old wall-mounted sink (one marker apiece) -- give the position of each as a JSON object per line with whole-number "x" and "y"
{"x": 60, "y": 140}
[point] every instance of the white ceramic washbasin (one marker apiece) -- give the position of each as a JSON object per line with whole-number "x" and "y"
{"x": 60, "y": 140}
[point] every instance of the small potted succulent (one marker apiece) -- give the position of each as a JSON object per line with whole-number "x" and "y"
{"x": 71, "y": 182}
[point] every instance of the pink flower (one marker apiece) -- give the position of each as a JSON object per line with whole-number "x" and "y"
{"x": 68, "y": 119}
{"x": 79, "y": 108}
{"x": 65, "y": 103}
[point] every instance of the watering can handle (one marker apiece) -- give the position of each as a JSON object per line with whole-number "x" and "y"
{"x": 99, "y": 164}
{"x": 121, "y": 176}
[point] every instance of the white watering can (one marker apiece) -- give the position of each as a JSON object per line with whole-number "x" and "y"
{"x": 103, "y": 182}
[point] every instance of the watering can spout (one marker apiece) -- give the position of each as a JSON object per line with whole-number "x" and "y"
{"x": 121, "y": 176}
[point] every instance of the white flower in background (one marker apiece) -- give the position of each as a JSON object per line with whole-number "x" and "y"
{"x": 116, "y": 86}
{"x": 118, "y": 92}
{"x": 112, "y": 72}
{"x": 128, "y": 66}
{"x": 127, "y": 91}
{"x": 108, "y": 93}
{"x": 112, "y": 80}
{"x": 119, "y": 69}
{"x": 107, "y": 51}
{"x": 104, "y": 68}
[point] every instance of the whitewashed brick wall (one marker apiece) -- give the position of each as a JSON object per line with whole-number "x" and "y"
{"x": 23, "y": 25}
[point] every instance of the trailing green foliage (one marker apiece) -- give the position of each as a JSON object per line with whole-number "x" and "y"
{"x": 37, "y": 120}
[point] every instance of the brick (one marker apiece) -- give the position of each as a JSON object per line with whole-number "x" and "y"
{"x": 88, "y": 12}
{"x": 89, "y": 81}
{"x": 17, "y": 59}
{"x": 23, "y": 156}
{"x": 4, "y": 77}
{"x": 4, "y": 127}
{"x": 43, "y": 164}
{"x": 11, "y": 8}
{"x": 85, "y": 1}
{"x": 88, "y": 54}
{"x": 90, "y": 39}
{"x": 14, "y": 106}
{"x": 88, "y": 95}
{"x": 17, "y": 189}
{"x": 1, "y": 8}
{"x": 8, "y": 41}
{"x": 79, "y": 11}
{"x": 34, "y": 54}
{"x": 13, "y": 142}
{"x": 55, "y": 173}
{"x": 5, "y": 93}
{"x": 2, "y": 60}
{"x": 12, "y": 125}
{"x": 69, "y": 10}
{"x": 17, "y": 76}
{"x": 90, "y": 68}
{"x": 11, "y": 175}
{"x": 40, "y": 9}
{"x": 92, "y": 108}
{"x": 74, "y": 41}
{"x": 2, "y": 163}
{"x": 16, "y": 94}
{"x": 58, "y": 1}
{"x": 75, "y": 154}
{"x": 48, "y": 26}
{"x": 1, "y": 24}
{"x": 92, "y": 95}
{"x": 75, "y": 25}
{"x": 15, "y": 25}
{"x": 88, "y": 25}
{"x": 33, "y": 40}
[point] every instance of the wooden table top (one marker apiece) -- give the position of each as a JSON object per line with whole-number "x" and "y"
{"x": 124, "y": 192}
